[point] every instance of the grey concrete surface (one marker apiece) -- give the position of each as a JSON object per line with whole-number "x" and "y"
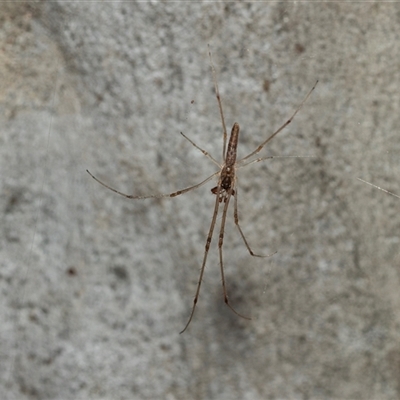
{"x": 95, "y": 288}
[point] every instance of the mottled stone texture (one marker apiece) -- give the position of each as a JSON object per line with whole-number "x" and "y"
{"x": 94, "y": 288}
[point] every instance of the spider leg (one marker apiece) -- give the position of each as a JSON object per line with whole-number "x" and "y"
{"x": 240, "y": 165}
{"x": 203, "y": 151}
{"x": 214, "y": 74}
{"x": 377, "y": 187}
{"x": 236, "y": 217}
{"x": 259, "y": 148}
{"x": 221, "y": 262}
{"x": 203, "y": 265}
{"x": 155, "y": 196}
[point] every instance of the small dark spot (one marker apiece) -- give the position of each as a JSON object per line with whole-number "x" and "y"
{"x": 160, "y": 159}
{"x": 266, "y": 85}
{"x": 192, "y": 102}
{"x": 29, "y": 390}
{"x": 71, "y": 271}
{"x": 302, "y": 338}
{"x": 165, "y": 347}
{"x": 48, "y": 361}
{"x": 99, "y": 98}
{"x": 13, "y": 202}
{"x": 120, "y": 272}
{"x": 12, "y": 113}
{"x": 299, "y": 48}
{"x": 33, "y": 317}
{"x": 158, "y": 82}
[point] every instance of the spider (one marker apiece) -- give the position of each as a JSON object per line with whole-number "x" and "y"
{"x": 225, "y": 189}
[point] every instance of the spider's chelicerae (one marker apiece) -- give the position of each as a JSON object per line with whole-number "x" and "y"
{"x": 225, "y": 189}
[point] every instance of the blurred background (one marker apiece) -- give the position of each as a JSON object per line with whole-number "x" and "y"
{"x": 95, "y": 288}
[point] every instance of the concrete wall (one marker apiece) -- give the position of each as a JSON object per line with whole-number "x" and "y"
{"x": 95, "y": 287}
